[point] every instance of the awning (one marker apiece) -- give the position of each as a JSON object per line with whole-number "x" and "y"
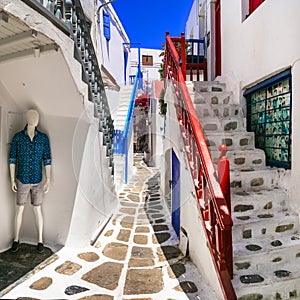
{"x": 108, "y": 80}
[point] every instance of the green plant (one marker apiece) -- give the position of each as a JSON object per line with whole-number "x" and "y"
{"x": 161, "y": 69}
{"x": 162, "y": 103}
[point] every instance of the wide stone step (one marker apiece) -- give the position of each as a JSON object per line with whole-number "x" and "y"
{"x": 268, "y": 284}
{"x": 265, "y": 179}
{"x": 246, "y": 204}
{"x": 265, "y": 226}
{"x": 213, "y": 98}
{"x": 207, "y": 86}
{"x": 233, "y": 141}
{"x": 205, "y": 110}
{"x": 243, "y": 159}
{"x": 214, "y": 124}
{"x": 266, "y": 253}
{"x": 123, "y": 107}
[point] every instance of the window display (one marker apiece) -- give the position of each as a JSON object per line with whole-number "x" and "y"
{"x": 269, "y": 117}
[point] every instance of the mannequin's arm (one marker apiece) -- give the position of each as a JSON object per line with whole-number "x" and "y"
{"x": 47, "y": 183}
{"x": 12, "y": 168}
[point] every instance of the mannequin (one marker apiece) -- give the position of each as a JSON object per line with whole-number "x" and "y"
{"x": 29, "y": 148}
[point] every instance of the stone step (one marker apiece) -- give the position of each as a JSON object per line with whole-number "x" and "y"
{"x": 243, "y": 159}
{"x": 215, "y": 124}
{"x": 233, "y": 141}
{"x": 269, "y": 253}
{"x": 213, "y": 98}
{"x": 246, "y": 204}
{"x": 268, "y": 284}
{"x": 218, "y": 110}
{"x": 264, "y": 179}
{"x": 265, "y": 226}
{"x": 123, "y": 108}
{"x": 208, "y": 86}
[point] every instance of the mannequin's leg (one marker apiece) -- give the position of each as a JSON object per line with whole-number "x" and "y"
{"x": 39, "y": 222}
{"x": 18, "y": 221}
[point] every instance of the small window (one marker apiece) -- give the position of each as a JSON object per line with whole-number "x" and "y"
{"x": 254, "y": 4}
{"x": 106, "y": 25}
{"x": 147, "y": 60}
{"x": 269, "y": 117}
{"x": 249, "y": 6}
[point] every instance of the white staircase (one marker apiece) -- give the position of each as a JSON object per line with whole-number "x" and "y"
{"x": 125, "y": 94}
{"x": 266, "y": 240}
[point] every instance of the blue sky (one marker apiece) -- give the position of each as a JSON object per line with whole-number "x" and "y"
{"x": 147, "y": 21}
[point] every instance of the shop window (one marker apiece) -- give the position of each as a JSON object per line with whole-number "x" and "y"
{"x": 147, "y": 60}
{"x": 106, "y": 25}
{"x": 269, "y": 117}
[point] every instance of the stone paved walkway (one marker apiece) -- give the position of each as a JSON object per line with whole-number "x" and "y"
{"x": 135, "y": 257}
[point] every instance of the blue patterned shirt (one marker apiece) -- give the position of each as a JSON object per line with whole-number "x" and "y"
{"x": 28, "y": 155}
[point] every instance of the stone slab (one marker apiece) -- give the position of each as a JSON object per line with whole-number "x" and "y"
{"x": 106, "y": 275}
{"x": 143, "y": 281}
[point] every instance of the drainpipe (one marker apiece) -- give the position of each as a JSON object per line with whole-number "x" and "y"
{"x": 98, "y": 9}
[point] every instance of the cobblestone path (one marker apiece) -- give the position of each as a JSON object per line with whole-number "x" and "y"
{"x": 136, "y": 257}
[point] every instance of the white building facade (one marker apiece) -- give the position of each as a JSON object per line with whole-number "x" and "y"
{"x": 150, "y": 61}
{"x": 258, "y": 58}
{"x": 45, "y": 74}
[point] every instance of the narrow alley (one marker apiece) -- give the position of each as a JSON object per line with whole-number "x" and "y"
{"x": 135, "y": 257}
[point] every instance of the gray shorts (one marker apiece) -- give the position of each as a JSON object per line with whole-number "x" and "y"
{"x": 35, "y": 190}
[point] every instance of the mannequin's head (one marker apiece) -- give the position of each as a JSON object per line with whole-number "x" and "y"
{"x": 32, "y": 117}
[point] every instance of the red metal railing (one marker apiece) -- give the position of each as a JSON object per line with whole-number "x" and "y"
{"x": 216, "y": 216}
{"x": 191, "y": 57}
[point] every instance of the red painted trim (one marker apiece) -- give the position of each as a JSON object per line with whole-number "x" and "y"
{"x": 183, "y": 56}
{"x": 254, "y": 4}
{"x": 215, "y": 214}
{"x": 218, "y": 53}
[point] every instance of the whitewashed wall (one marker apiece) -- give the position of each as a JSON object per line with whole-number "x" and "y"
{"x": 200, "y": 23}
{"x": 149, "y": 72}
{"x": 258, "y": 47}
{"x": 157, "y": 134}
{"x": 189, "y": 215}
{"x": 196, "y": 23}
{"x": 261, "y": 44}
{"x": 51, "y": 84}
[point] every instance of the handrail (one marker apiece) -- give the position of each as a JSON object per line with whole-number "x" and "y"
{"x": 122, "y": 137}
{"x": 195, "y": 43}
{"x": 192, "y": 57}
{"x": 212, "y": 205}
{"x": 68, "y": 16}
{"x": 130, "y": 112}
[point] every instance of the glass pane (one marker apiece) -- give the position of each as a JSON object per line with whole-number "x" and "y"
{"x": 270, "y": 121}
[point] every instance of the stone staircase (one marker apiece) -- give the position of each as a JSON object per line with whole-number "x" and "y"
{"x": 266, "y": 239}
{"x": 125, "y": 94}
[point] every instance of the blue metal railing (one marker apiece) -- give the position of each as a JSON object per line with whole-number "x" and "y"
{"x": 195, "y": 51}
{"x": 122, "y": 137}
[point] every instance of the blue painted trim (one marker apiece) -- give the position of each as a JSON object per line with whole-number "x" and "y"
{"x": 269, "y": 81}
{"x": 197, "y": 41}
{"x": 106, "y": 25}
{"x": 121, "y": 137}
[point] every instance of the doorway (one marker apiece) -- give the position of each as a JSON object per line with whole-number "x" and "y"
{"x": 175, "y": 193}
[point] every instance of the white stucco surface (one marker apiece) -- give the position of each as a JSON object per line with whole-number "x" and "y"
{"x": 260, "y": 46}
{"x": 149, "y": 72}
{"x": 190, "y": 218}
{"x": 52, "y": 84}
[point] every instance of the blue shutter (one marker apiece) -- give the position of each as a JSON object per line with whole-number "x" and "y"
{"x": 106, "y": 25}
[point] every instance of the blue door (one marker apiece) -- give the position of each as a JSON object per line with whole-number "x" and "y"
{"x": 175, "y": 193}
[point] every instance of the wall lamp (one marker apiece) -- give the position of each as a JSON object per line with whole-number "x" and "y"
{"x": 98, "y": 9}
